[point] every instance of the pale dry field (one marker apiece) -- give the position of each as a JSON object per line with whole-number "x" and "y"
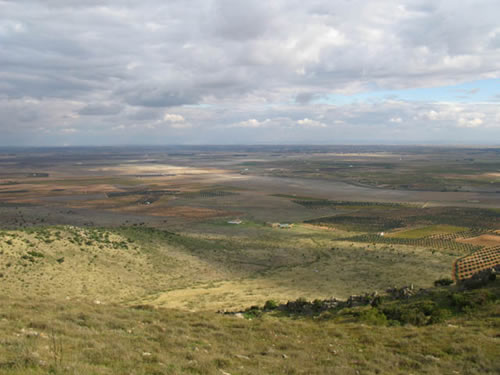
{"x": 486, "y": 240}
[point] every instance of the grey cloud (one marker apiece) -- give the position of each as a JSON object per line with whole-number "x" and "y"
{"x": 306, "y": 97}
{"x": 224, "y": 62}
{"x": 159, "y": 98}
{"x": 148, "y": 114}
{"x": 100, "y": 110}
{"x": 241, "y": 20}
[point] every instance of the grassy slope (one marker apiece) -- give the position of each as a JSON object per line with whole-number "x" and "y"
{"x": 93, "y": 264}
{"x": 74, "y": 337}
{"x": 225, "y": 267}
{"x": 43, "y": 331}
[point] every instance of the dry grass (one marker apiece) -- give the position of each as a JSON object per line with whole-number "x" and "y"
{"x": 93, "y": 264}
{"x": 228, "y": 267}
{"x": 41, "y": 336}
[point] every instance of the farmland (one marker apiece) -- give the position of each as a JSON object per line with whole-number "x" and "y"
{"x": 147, "y": 244}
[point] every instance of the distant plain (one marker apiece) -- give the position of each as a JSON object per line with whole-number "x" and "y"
{"x": 151, "y": 226}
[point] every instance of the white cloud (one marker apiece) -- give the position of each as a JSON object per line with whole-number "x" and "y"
{"x": 170, "y": 117}
{"x": 471, "y": 120}
{"x": 311, "y": 123}
{"x": 252, "y": 123}
{"x": 176, "y": 121}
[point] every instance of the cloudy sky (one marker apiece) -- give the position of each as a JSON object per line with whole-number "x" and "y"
{"x": 99, "y": 72}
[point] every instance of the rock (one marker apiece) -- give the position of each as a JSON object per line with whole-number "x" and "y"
{"x": 404, "y": 292}
{"x": 239, "y": 315}
{"x": 30, "y": 333}
{"x": 366, "y": 299}
{"x": 431, "y": 358}
{"x": 146, "y": 354}
{"x": 240, "y": 356}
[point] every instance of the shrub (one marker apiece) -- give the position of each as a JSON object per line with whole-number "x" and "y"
{"x": 439, "y": 316}
{"x": 373, "y": 316}
{"x": 317, "y": 305}
{"x": 418, "y": 313}
{"x": 252, "y": 312}
{"x": 270, "y": 305}
{"x": 467, "y": 301}
{"x": 443, "y": 282}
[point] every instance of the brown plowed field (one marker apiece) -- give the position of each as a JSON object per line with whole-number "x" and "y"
{"x": 478, "y": 261}
{"x": 487, "y": 240}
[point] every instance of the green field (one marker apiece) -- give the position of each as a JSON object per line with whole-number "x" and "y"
{"x": 426, "y": 231}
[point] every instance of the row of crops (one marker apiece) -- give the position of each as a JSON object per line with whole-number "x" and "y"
{"x": 320, "y": 203}
{"x": 422, "y": 242}
{"x": 209, "y": 194}
{"x": 359, "y": 223}
{"x": 482, "y": 259}
{"x": 117, "y": 194}
{"x": 473, "y": 232}
{"x": 390, "y": 216}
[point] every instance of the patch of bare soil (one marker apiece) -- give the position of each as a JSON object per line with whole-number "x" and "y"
{"x": 188, "y": 212}
{"x": 108, "y": 203}
{"x": 324, "y": 227}
{"x": 483, "y": 240}
{"x": 145, "y": 169}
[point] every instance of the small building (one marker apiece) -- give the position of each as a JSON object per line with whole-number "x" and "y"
{"x": 235, "y": 222}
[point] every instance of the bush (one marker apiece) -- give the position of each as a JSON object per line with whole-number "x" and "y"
{"x": 317, "y": 305}
{"x": 252, "y": 312}
{"x": 468, "y": 301}
{"x": 478, "y": 280}
{"x": 443, "y": 282}
{"x": 372, "y": 316}
{"x": 439, "y": 316}
{"x": 299, "y": 306}
{"x": 418, "y": 314}
{"x": 270, "y": 305}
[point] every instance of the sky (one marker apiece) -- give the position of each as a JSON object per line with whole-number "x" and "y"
{"x": 123, "y": 72}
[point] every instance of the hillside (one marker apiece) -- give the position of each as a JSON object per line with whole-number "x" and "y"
{"x": 222, "y": 268}
{"x": 46, "y": 335}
